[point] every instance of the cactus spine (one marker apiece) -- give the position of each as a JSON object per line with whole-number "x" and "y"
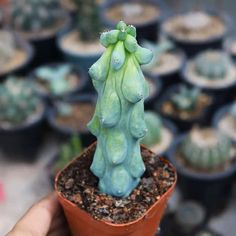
{"x": 118, "y": 122}
{"x": 206, "y": 148}
{"x": 212, "y": 64}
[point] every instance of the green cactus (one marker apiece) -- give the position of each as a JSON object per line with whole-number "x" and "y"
{"x": 7, "y": 46}
{"x": 88, "y": 21}
{"x": 233, "y": 111}
{"x": 17, "y": 101}
{"x": 212, "y": 64}
{"x": 33, "y": 15}
{"x": 154, "y": 126}
{"x": 158, "y": 50}
{"x": 118, "y": 121}
{"x": 205, "y": 148}
{"x": 67, "y": 152}
{"x": 56, "y": 77}
{"x": 186, "y": 98}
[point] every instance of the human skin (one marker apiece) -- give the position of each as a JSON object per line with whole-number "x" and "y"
{"x": 44, "y": 218}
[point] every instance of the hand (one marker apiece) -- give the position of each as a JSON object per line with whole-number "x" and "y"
{"x": 45, "y": 218}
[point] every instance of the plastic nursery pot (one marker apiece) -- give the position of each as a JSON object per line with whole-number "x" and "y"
{"x": 63, "y": 132}
{"x": 222, "y": 94}
{"x": 212, "y": 190}
{"x": 171, "y": 77}
{"x": 146, "y": 29}
{"x": 49, "y": 97}
{"x": 23, "y": 67}
{"x": 202, "y": 119}
{"x": 82, "y": 223}
{"x": 154, "y": 92}
{"x": 191, "y": 47}
{"x": 219, "y": 116}
{"x": 84, "y": 58}
{"x": 23, "y": 141}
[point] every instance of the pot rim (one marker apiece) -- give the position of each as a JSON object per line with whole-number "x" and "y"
{"x": 168, "y": 192}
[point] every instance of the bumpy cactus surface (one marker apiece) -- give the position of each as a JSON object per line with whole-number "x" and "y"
{"x": 118, "y": 122}
{"x": 56, "y": 77}
{"x": 67, "y": 152}
{"x": 90, "y": 28}
{"x": 212, "y": 64}
{"x": 186, "y": 98}
{"x": 158, "y": 50}
{"x": 17, "y": 101}
{"x": 7, "y": 46}
{"x": 206, "y": 148}
{"x": 154, "y": 125}
{"x": 33, "y": 15}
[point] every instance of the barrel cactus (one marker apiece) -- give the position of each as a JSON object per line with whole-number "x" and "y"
{"x": 212, "y": 64}
{"x": 17, "y": 101}
{"x": 55, "y": 77}
{"x": 7, "y": 46}
{"x": 154, "y": 125}
{"x": 205, "y": 148}
{"x": 33, "y": 15}
{"x": 186, "y": 98}
{"x": 90, "y": 28}
{"x": 118, "y": 122}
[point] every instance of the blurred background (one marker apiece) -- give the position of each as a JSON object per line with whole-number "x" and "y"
{"x": 47, "y": 98}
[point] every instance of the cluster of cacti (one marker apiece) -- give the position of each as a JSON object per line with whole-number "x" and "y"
{"x": 90, "y": 28}
{"x": 212, "y": 64}
{"x": 17, "y": 101}
{"x": 118, "y": 122}
{"x": 7, "y": 46}
{"x": 185, "y": 99}
{"x": 33, "y": 15}
{"x": 205, "y": 148}
{"x": 67, "y": 152}
{"x": 56, "y": 77}
{"x": 158, "y": 50}
{"x": 154, "y": 126}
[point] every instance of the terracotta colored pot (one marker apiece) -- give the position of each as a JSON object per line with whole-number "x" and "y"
{"x": 82, "y": 223}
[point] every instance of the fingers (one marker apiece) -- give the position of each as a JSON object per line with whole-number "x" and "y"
{"x": 38, "y": 219}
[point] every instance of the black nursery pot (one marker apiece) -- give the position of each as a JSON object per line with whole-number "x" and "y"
{"x": 203, "y": 119}
{"x": 23, "y": 141}
{"x": 49, "y": 98}
{"x": 211, "y": 190}
{"x": 148, "y": 31}
{"x": 23, "y": 68}
{"x": 63, "y": 132}
{"x": 191, "y": 48}
{"x": 172, "y": 77}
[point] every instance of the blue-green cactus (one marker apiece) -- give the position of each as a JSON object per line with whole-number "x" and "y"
{"x": 186, "y": 98}
{"x": 118, "y": 121}
{"x": 206, "y": 148}
{"x": 56, "y": 77}
{"x": 212, "y": 64}
{"x": 154, "y": 126}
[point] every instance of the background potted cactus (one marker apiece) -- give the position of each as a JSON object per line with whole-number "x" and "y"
{"x": 58, "y": 80}
{"x": 39, "y": 22}
{"x": 118, "y": 123}
{"x": 196, "y": 31}
{"x": 15, "y": 53}
{"x": 166, "y": 64}
{"x": 80, "y": 42}
{"x": 21, "y": 116}
{"x": 225, "y": 120}
{"x": 206, "y": 163}
{"x": 214, "y": 72}
{"x": 145, "y": 16}
{"x": 71, "y": 116}
{"x": 160, "y": 134}
{"x": 185, "y": 106}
